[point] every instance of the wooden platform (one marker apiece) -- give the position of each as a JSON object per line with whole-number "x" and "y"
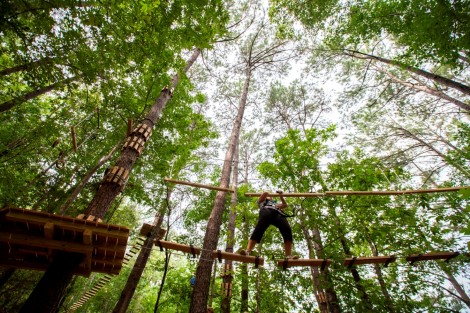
{"x": 349, "y": 262}
{"x": 431, "y": 256}
{"x": 322, "y": 263}
{"x": 216, "y": 254}
{"x": 29, "y": 240}
{"x": 147, "y": 229}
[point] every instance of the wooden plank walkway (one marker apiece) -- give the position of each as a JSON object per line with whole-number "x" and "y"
{"x": 216, "y": 254}
{"x": 29, "y": 239}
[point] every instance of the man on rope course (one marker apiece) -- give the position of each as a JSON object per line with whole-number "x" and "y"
{"x": 271, "y": 213}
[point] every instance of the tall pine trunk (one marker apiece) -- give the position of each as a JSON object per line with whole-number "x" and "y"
{"x": 227, "y": 275}
{"x": 203, "y": 272}
{"x": 55, "y": 280}
{"x": 244, "y": 270}
{"x": 314, "y": 272}
{"x": 139, "y": 265}
{"x": 327, "y": 283}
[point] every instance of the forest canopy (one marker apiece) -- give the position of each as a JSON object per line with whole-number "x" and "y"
{"x": 249, "y": 96}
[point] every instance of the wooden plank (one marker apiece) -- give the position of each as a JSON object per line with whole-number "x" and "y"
{"x": 178, "y": 247}
{"x": 369, "y": 260}
{"x": 32, "y": 241}
{"x": 304, "y": 262}
{"x": 15, "y": 216}
{"x": 49, "y": 230}
{"x": 361, "y": 193}
{"x": 147, "y": 228}
{"x": 87, "y": 236}
{"x": 180, "y": 182}
{"x": 74, "y": 138}
{"x": 293, "y": 195}
{"x": 431, "y": 256}
{"x": 78, "y": 220}
{"x": 215, "y": 253}
{"x": 237, "y": 257}
{"x": 117, "y": 263}
{"x": 129, "y": 127}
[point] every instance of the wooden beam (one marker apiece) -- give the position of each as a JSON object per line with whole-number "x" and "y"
{"x": 74, "y": 138}
{"x": 88, "y": 236}
{"x": 18, "y": 216}
{"x": 147, "y": 228}
{"x": 178, "y": 247}
{"x": 369, "y": 260}
{"x": 237, "y": 257}
{"x": 304, "y": 262}
{"x": 129, "y": 127}
{"x": 360, "y": 193}
{"x": 180, "y": 182}
{"x": 49, "y": 230}
{"x": 292, "y": 195}
{"x": 431, "y": 256}
{"x": 215, "y": 253}
{"x": 33, "y": 241}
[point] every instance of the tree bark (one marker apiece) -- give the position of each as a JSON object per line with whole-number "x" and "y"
{"x": 139, "y": 266}
{"x": 227, "y": 275}
{"x": 434, "y": 77}
{"x": 314, "y": 272}
{"x": 5, "y": 106}
{"x": 244, "y": 271}
{"x": 203, "y": 272}
{"x": 331, "y": 296}
{"x": 49, "y": 292}
{"x": 100, "y": 204}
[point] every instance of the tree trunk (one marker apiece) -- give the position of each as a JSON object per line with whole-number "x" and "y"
{"x": 317, "y": 289}
{"x": 331, "y": 296}
{"x": 408, "y": 134}
{"x": 227, "y": 275}
{"x": 203, "y": 272}
{"x": 380, "y": 279}
{"x": 86, "y": 178}
{"x": 433, "y": 92}
{"x": 366, "y": 304}
{"x": 463, "y": 295}
{"x": 49, "y": 292}
{"x": 244, "y": 271}
{"x": 139, "y": 266}
{"x": 434, "y": 77}
{"x": 162, "y": 284}
{"x": 100, "y": 204}
{"x": 5, "y": 106}
{"x": 24, "y": 67}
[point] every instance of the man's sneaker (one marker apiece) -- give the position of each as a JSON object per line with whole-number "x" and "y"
{"x": 293, "y": 257}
